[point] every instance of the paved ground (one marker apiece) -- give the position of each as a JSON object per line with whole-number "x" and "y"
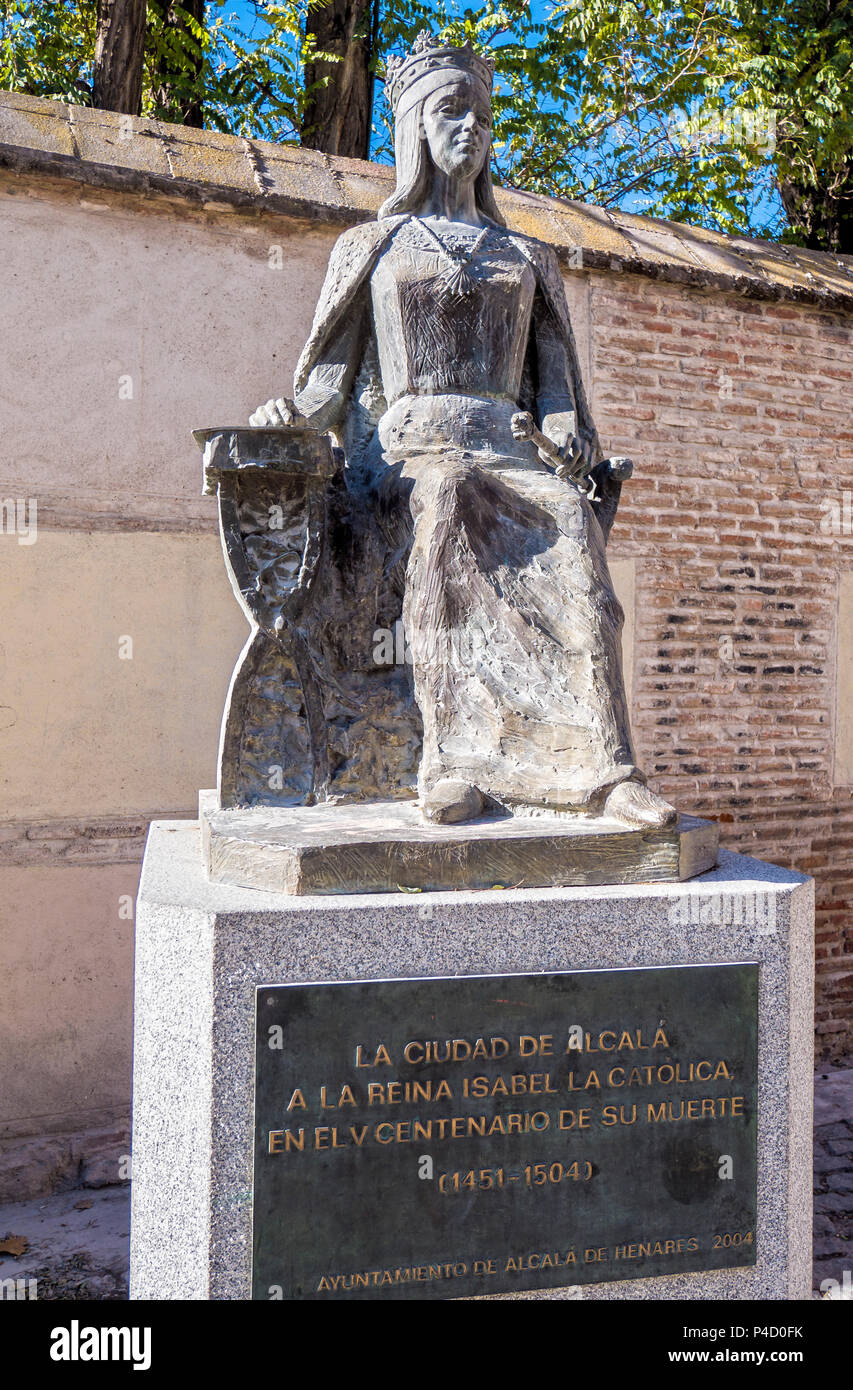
{"x": 833, "y": 1178}
{"x": 76, "y": 1242}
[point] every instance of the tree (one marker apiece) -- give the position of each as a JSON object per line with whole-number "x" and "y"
{"x": 340, "y": 38}
{"x": 736, "y": 114}
{"x": 807, "y": 64}
{"x": 47, "y": 49}
{"x": 117, "y": 64}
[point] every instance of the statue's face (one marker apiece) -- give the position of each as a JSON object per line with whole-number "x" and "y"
{"x": 458, "y": 127}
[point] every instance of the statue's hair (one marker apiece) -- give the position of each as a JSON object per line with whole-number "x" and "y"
{"x": 414, "y": 171}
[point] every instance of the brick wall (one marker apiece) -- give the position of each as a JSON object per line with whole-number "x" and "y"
{"x": 738, "y": 416}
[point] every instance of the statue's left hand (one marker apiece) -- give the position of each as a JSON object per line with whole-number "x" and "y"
{"x": 277, "y": 413}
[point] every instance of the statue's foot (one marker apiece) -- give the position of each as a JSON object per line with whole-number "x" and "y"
{"x": 450, "y": 801}
{"x": 633, "y": 804}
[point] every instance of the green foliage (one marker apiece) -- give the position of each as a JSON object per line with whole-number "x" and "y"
{"x": 251, "y": 82}
{"x": 47, "y": 48}
{"x": 245, "y": 72}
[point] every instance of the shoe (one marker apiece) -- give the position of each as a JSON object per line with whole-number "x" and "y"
{"x": 449, "y": 802}
{"x": 633, "y": 804}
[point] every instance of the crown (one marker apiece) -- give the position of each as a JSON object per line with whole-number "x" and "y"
{"x": 429, "y": 55}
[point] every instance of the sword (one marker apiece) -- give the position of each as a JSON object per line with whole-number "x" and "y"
{"x": 570, "y": 465}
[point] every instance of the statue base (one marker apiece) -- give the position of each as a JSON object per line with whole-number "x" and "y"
{"x": 385, "y": 847}
{"x": 206, "y": 956}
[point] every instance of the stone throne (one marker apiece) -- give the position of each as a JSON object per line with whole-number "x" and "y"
{"x": 313, "y": 712}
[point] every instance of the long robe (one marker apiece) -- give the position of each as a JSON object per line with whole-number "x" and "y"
{"x": 513, "y": 627}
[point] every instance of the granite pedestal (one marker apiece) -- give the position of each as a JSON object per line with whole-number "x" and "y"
{"x": 203, "y": 948}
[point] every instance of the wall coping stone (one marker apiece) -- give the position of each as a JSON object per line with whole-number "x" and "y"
{"x": 221, "y": 173}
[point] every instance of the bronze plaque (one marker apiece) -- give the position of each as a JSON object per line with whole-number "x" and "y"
{"x": 449, "y": 1137}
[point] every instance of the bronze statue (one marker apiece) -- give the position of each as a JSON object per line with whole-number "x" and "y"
{"x": 468, "y": 495}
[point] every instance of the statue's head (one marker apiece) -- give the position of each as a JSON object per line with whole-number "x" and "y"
{"x": 442, "y": 103}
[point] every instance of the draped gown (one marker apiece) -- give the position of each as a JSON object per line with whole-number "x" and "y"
{"x": 513, "y": 683}
{"x": 508, "y": 606}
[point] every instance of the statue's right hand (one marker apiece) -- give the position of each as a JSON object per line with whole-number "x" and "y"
{"x": 276, "y": 413}
{"x": 577, "y": 459}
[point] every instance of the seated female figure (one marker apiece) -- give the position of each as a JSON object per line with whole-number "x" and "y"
{"x": 435, "y": 328}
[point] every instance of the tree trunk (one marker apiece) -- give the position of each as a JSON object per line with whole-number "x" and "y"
{"x": 119, "y": 45}
{"x": 177, "y": 93}
{"x": 337, "y": 115}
